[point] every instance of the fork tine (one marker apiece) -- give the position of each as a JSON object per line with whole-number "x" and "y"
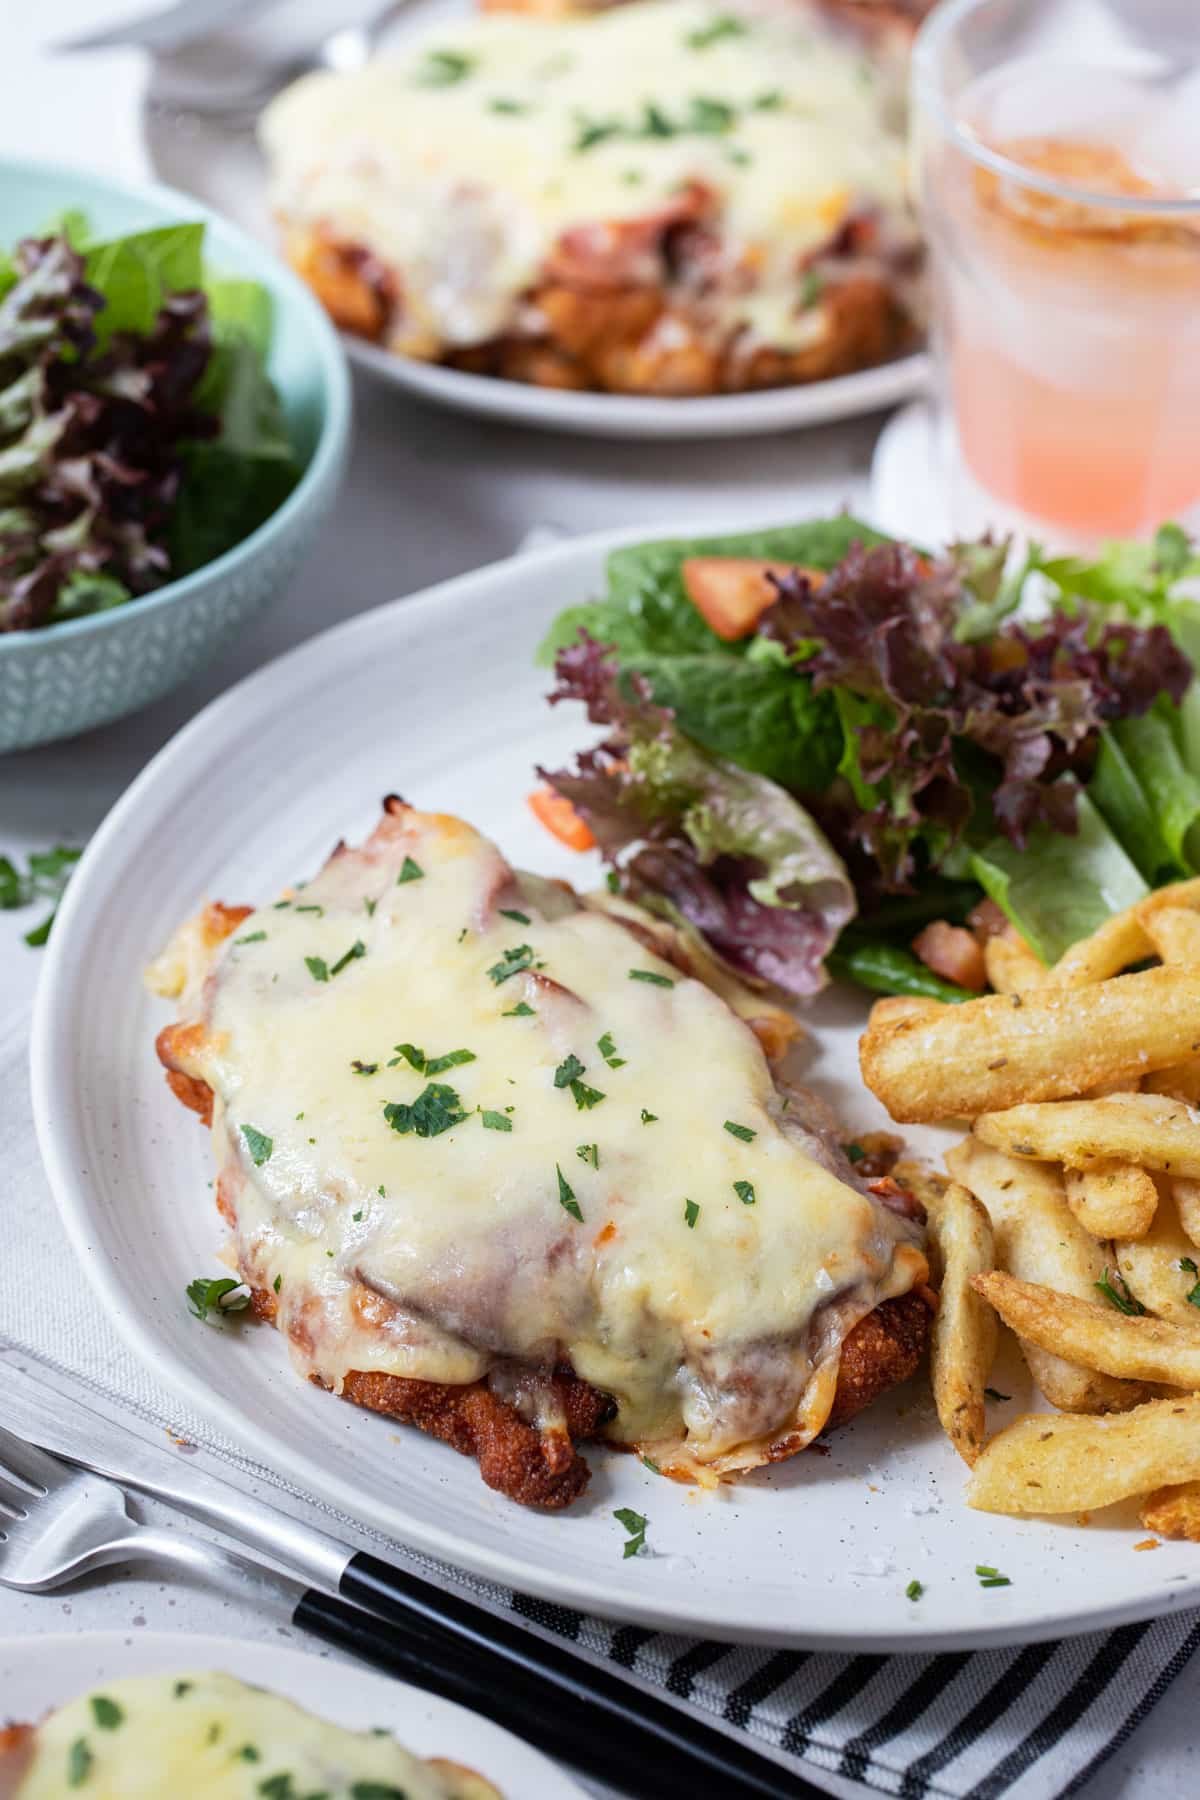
{"x": 15, "y": 1502}
{"x": 24, "y": 1462}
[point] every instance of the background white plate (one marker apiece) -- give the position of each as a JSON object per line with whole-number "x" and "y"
{"x": 436, "y": 698}
{"x": 221, "y": 165}
{"x": 37, "y": 1673}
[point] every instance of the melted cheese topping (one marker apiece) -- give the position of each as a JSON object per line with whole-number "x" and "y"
{"x": 601, "y": 1221}
{"x": 460, "y": 163}
{"x": 211, "y": 1737}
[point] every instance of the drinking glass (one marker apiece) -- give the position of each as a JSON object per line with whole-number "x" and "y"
{"x": 1057, "y": 164}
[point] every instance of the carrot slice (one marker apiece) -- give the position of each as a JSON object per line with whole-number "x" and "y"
{"x": 732, "y": 592}
{"x": 560, "y": 819}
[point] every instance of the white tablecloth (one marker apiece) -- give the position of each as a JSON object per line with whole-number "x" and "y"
{"x": 429, "y": 495}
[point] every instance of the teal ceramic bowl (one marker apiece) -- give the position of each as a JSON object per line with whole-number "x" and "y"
{"x": 64, "y": 679}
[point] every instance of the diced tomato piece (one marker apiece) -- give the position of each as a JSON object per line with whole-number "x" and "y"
{"x": 953, "y": 953}
{"x": 732, "y": 592}
{"x": 560, "y": 819}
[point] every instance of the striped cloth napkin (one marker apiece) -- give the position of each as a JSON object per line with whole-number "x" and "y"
{"x": 1034, "y": 1722}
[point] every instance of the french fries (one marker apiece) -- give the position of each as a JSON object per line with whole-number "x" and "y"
{"x": 1037, "y": 1238}
{"x": 1186, "y": 1195}
{"x": 1181, "y": 1081}
{"x": 1148, "y": 1130}
{"x": 964, "y": 1331}
{"x": 1174, "y": 931}
{"x": 1121, "y": 940}
{"x": 1096, "y": 1335}
{"x": 1112, "y": 1199}
{"x": 1048, "y": 1464}
{"x": 1155, "y": 1266}
{"x": 1050, "y": 1044}
{"x": 1013, "y": 967}
{"x": 1173, "y": 1512}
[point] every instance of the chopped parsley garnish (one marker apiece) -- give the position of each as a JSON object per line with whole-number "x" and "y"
{"x": 382, "y": 1191}
{"x": 436, "y": 1109}
{"x": 507, "y": 106}
{"x": 248, "y": 1753}
{"x": 1113, "y": 1286}
{"x": 635, "y": 1525}
{"x": 612, "y": 880}
{"x": 278, "y": 1787}
{"x": 649, "y": 1118}
{"x": 740, "y": 1131}
{"x": 725, "y": 25}
{"x": 586, "y": 1097}
{"x": 991, "y": 1393}
{"x": 811, "y": 288}
{"x": 608, "y": 1051}
{"x": 369, "y": 906}
{"x": 989, "y": 1577}
{"x": 1188, "y": 1265}
{"x": 566, "y": 1196}
{"x": 376, "y": 1790}
{"x": 45, "y": 879}
{"x": 691, "y": 1213}
{"x": 107, "y": 1714}
{"x": 650, "y": 1464}
{"x": 362, "y": 1068}
{"x": 914, "y": 1590}
{"x": 588, "y": 1153}
{"x": 442, "y": 68}
{"x": 496, "y": 1121}
{"x": 357, "y": 949}
{"x": 252, "y": 937}
{"x": 183, "y": 1687}
{"x": 519, "y": 1011}
{"x": 412, "y": 1055}
{"x": 745, "y": 1192}
{"x": 221, "y": 1295}
{"x": 258, "y": 1144}
{"x": 79, "y": 1763}
{"x": 769, "y": 102}
{"x": 651, "y": 975}
{"x": 280, "y": 905}
{"x": 520, "y": 918}
{"x": 312, "y": 907}
{"x": 511, "y": 963}
{"x": 568, "y": 1071}
{"x": 409, "y": 871}
{"x": 317, "y": 967}
{"x": 451, "y": 1060}
{"x": 277, "y": 1283}
{"x": 854, "y": 1153}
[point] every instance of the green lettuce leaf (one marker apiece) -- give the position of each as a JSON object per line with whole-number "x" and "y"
{"x": 136, "y": 273}
{"x": 1151, "y": 748}
{"x": 1119, "y": 796}
{"x": 1058, "y": 889}
{"x": 884, "y": 968}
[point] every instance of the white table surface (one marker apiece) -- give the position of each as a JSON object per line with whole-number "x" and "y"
{"x": 429, "y": 495}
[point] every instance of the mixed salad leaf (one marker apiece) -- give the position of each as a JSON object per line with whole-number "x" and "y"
{"x": 922, "y": 732}
{"x": 140, "y": 435}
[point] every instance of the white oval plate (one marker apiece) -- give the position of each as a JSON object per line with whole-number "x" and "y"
{"x": 222, "y": 167}
{"x": 436, "y": 698}
{"x": 37, "y": 1673}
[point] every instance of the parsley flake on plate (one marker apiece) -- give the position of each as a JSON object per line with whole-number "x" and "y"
{"x": 1113, "y": 1286}
{"x": 496, "y": 1121}
{"x": 451, "y": 1060}
{"x": 519, "y": 1011}
{"x": 520, "y": 918}
{"x": 691, "y": 1213}
{"x": 566, "y": 1196}
{"x": 79, "y": 1763}
{"x": 409, "y": 871}
{"x": 312, "y": 907}
{"x": 745, "y": 1192}
{"x": 512, "y": 962}
{"x": 317, "y": 967}
{"x": 364, "y": 1068}
{"x": 357, "y": 949}
{"x": 411, "y": 1055}
{"x": 444, "y": 68}
{"x": 635, "y": 1525}
{"x": 437, "y": 1108}
{"x": 649, "y": 1118}
{"x": 740, "y": 1131}
{"x": 914, "y": 1590}
{"x": 989, "y": 1577}
{"x": 107, "y": 1714}
{"x": 222, "y": 1295}
{"x": 1187, "y": 1265}
{"x": 652, "y": 976}
{"x": 568, "y": 1071}
{"x": 251, "y": 937}
{"x": 589, "y": 1153}
{"x": 258, "y": 1144}
{"x": 586, "y": 1097}
{"x": 608, "y": 1051}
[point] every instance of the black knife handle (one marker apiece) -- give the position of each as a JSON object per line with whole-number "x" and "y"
{"x": 608, "y": 1727}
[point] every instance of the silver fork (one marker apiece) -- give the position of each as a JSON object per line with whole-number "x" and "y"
{"x": 58, "y": 1523}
